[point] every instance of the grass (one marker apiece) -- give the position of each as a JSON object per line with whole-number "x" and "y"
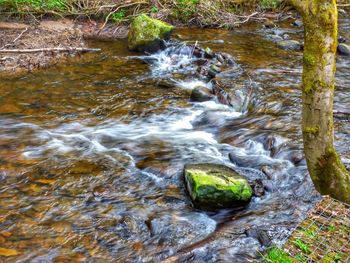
{"x": 202, "y": 13}
{"x": 34, "y": 5}
{"x": 185, "y": 9}
{"x": 118, "y": 16}
{"x": 277, "y": 255}
{"x": 331, "y": 228}
{"x": 310, "y": 233}
{"x": 269, "y": 4}
{"x": 302, "y": 246}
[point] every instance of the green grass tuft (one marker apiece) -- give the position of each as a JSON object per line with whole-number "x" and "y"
{"x": 277, "y": 255}
{"x": 269, "y": 4}
{"x": 302, "y": 246}
{"x": 117, "y": 17}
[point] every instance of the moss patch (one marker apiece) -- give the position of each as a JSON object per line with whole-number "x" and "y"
{"x": 145, "y": 30}
{"x": 312, "y": 130}
{"x": 216, "y": 186}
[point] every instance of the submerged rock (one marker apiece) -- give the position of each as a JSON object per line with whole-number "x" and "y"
{"x": 258, "y": 188}
{"x": 180, "y": 230}
{"x": 213, "y": 186}
{"x": 228, "y": 93}
{"x": 201, "y": 94}
{"x": 147, "y": 34}
{"x": 269, "y": 24}
{"x": 259, "y": 234}
{"x": 165, "y": 83}
{"x": 290, "y": 45}
{"x": 208, "y": 53}
{"x": 297, "y": 23}
{"x": 274, "y": 38}
{"x": 213, "y": 71}
{"x": 212, "y": 119}
{"x": 344, "y": 49}
{"x": 341, "y": 39}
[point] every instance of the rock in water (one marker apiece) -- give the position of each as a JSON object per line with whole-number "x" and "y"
{"x": 298, "y": 23}
{"x": 341, "y": 39}
{"x": 213, "y": 186}
{"x": 147, "y": 34}
{"x": 289, "y": 45}
{"x": 201, "y": 94}
{"x": 344, "y": 49}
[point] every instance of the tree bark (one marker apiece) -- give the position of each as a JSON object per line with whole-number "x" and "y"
{"x": 320, "y": 34}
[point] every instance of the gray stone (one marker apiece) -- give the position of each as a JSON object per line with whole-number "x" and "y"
{"x": 201, "y": 94}
{"x": 341, "y": 39}
{"x": 289, "y": 45}
{"x": 286, "y": 37}
{"x": 260, "y": 235}
{"x": 298, "y": 23}
{"x": 274, "y": 38}
{"x": 344, "y": 49}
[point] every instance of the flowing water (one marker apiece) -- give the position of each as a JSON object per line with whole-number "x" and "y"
{"x": 92, "y": 153}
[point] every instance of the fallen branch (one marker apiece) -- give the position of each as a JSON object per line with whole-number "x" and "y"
{"x": 246, "y": 20}
{"x": 18, "y": 37}
{"x": 56, "y": 49}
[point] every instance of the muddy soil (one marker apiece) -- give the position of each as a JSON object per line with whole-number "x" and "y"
{"x": 48, "y": 34}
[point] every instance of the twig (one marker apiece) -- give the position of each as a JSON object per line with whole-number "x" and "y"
{"x": 18, "y": 37}
{"x": 58, "y": 49}
{"x": 194, "y": 47}
{"x": 6, "y": 58}
{"x": 246, "y": 20}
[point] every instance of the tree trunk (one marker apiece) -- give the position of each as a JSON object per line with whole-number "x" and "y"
{"x": 321, "y": 24}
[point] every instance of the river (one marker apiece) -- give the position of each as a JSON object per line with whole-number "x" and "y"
{"x": 92, "y": 153}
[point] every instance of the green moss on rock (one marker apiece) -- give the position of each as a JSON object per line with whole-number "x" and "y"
{"x": 214, "y": 186}
{"x": 145, "y": 33}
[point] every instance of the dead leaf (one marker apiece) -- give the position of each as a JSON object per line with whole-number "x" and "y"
{"x": 46, "y": 181}
{"x": 6, "y": 252}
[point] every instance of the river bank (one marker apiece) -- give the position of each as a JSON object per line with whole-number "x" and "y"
{"x": 32, "y": 27}
{"x": 61, "y": 23}
{"x": 48, "y": 34}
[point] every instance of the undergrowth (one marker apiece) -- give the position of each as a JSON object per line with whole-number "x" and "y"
{"x": 214, "y": 13}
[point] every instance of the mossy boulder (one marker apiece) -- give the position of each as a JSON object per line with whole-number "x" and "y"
{"x": 213, "y": 186}
{"x": 147, "y": 34}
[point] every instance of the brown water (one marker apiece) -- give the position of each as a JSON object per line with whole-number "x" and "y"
{"x": 91, "y": 154}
